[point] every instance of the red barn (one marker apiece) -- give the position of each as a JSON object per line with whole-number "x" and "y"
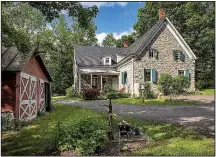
{"x": 25, "y": 83}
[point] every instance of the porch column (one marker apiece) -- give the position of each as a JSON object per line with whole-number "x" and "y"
{"x": 101, "y": 83}
{"x": 79, "y": 82}
{"x": 91, "y": 81}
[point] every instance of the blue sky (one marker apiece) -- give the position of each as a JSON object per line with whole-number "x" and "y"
{"x": 115, "y": 17}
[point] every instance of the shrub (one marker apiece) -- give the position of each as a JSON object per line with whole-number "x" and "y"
{"x": 84, "y": 135}
{"x": 179, "y": 84}
{"x": 123, "y": 95}
{"x": 90, "y": 94}
{"x": 165, "y": 83}
{"x": 148, "y": 94}
{"x": 173, "y": 85}
{"x": 107, "y": 88}
{"x": 71, "y": 92}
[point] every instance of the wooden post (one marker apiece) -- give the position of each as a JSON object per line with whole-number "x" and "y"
{"x": 91, "y": 80}
{"x": 110, "y": 119}
{"x": 101, "y": 82}
{"x": 79, "y": 82}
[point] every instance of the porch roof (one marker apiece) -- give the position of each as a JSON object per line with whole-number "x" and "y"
{"x": 101, "y": 71}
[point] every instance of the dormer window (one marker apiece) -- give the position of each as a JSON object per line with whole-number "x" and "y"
{"x": 107, "y": 60}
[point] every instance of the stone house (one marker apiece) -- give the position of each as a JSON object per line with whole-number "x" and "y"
{"x": 160, "y": 50}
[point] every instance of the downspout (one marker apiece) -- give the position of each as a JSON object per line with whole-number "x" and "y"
{"x": 132, "y": 77}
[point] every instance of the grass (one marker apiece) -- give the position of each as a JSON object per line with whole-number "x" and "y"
{"x": 65, "y": 98}
{"x": 172, "y": 140}
{"x": 164, "y": 139}
{"x": 34, "y": 139}
{"x": 208, "y": 91}
{"x": 162, "y": 101}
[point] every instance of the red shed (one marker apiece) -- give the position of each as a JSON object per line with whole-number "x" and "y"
{"x": 25, "y": 83}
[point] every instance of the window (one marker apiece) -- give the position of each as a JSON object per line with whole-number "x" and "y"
{"x": 106, "y": 60}
{"x": 178, "y": 55}
{"x": 147, "y": 75}
{"x": 181, "y": 72}
{"x": 153, "y": 53}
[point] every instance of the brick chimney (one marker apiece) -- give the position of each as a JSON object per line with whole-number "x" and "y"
{"x": 162, "y": 14}
{"x": 125, "y": 44}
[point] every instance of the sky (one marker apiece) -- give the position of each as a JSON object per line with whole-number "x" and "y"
{"x": 115, "y": 17}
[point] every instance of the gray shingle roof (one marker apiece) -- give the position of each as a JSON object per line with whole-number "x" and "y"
{"x": 14, "y": 60}
{"x": 142, "y": 41}
{"x": 92, "y": 55}
{"x": 88, "y": 55}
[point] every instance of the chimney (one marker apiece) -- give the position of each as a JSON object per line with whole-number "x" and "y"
{"x": 125, "y": 44}
{"x": 162, "y": 14}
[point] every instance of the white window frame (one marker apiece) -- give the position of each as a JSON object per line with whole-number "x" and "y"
{"x": 105, "y": 59}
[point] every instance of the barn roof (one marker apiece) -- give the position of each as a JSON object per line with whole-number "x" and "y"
{"x": 14, "y": 60}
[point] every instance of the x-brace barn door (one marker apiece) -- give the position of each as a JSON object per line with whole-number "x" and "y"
{"x": 41, "y": 95}
{"x": 28, "y": 94}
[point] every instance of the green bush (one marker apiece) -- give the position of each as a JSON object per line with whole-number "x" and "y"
{"x": 123, "y": 95}
{"x": 71, "y": 92}
{"x": 179, "y": 84}
{"x": 148, "y": 94}
{"x": 165, "y": 83}
{"x": 85, "y": 135}
{"x": 107, "y": 88}
{"x": 173, "y": 85}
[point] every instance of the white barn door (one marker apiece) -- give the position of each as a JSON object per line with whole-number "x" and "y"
{"x": 28, "y": 95}
{"x": 41, "y": 95}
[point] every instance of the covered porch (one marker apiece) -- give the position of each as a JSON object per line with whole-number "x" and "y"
{"x": 97, "y": 80}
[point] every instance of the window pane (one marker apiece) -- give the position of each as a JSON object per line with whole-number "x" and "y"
{"x": 181, "y": 72}
{"x": 147, "y": 75}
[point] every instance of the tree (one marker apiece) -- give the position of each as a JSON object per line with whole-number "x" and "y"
{"x": 24, "y": 19}
{"x": 130, "y": 38}
{"x": 109, "y": 41}
{"x": 195, "y": 22}
{"x": 61, "y": 47}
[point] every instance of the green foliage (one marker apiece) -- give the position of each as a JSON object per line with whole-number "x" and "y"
{"x": 172, "y": 140}
{"x": 109, "y": 41}
{"x": 163, "y": 101}
{"x": 147, "y": 92}
{"x": 196, "y": 22}
{"x": 179, "y": 84}
{"x": 107, "y": 88}
{"x": 173, "y": 85}
{"x": 41, "y": 137}
{"x": 52, "y": 10}
{"x": 90, "y": 94}
{"x": 129, "y": 38}
{"x": 165, "y": 83}
{"x": 208, "y": 91}
{"x": 71, "y": 92}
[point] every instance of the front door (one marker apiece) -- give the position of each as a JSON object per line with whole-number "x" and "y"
{"x": 94, "y": 81}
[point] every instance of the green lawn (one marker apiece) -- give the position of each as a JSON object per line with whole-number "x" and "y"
{"x": 162, "y": 101}
{"x": 172, "y": 140}
{"x": 208, "y": 91}
{"x": 164, "y": 139}
{"x": 65, "y": 98}
{"x": 35, "y": 139}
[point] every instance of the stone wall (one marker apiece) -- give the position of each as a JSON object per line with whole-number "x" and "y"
{"x": 165, "y": 43}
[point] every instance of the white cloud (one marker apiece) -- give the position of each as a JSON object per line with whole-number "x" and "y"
{"x": 64, "y": 12}
{"x": 100, "y": 37}
{"x": 103, "y": 4}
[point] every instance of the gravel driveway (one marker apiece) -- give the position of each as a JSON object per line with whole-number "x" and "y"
{"x": 201, "y": 116}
